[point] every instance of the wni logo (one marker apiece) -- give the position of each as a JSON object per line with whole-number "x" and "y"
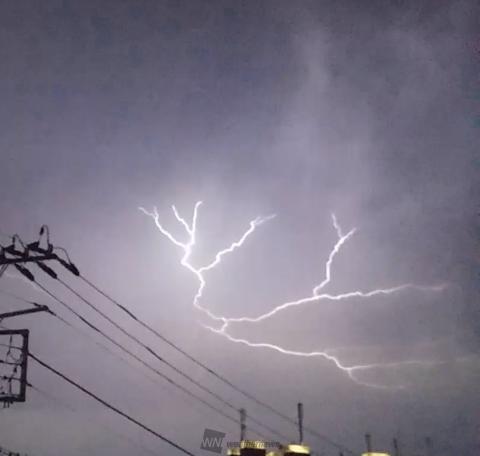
{"x": 212, "y": 441}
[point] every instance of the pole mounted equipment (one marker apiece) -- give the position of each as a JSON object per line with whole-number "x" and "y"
{"x": 34, "y": 253}
{"x": 19, "y": 364}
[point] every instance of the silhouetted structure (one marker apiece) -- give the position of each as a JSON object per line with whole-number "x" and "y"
{"x": 294, "y": 449}
{"x": 252, "y": 448}
{"x": 368, "y": 444}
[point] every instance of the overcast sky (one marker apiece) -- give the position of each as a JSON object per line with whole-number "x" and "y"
{"x": 295, "y": 108}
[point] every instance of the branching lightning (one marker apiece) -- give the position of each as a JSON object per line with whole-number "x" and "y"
{"x": 316, "y": 295}
{"x": 187, "y": 248}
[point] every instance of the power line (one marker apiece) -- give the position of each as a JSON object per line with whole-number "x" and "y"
{"x": 110, "y": 406}
{"x": 228, "y": 404}
{"x": 65, "y": 322}
{"x": 136, "y": 357}
{"x": 87, "y": 336}
{"x": 52, "y": 274}
{"x": 169, "y": 364}
{"x": 47, "y": 254}
{"x": 84, "y": 334}
{"x": 104, "y": 347}
{"x": 55, "y": 399}
{"x": 210, "y": 370}
{"x": 14, "y": 296}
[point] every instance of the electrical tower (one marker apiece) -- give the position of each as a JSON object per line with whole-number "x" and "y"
{"x": 14, "y": 342}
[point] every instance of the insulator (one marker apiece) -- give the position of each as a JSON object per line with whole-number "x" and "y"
{"x": 47, "y": 269}
{"x": 25, "y": 272}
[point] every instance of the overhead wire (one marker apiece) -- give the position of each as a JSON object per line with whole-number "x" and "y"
{"x": 128, "y": 352}
{"x": 136, "y": 357}
{"x": 68, "y": 324}
{"x": 57, "y": 400}
{"x": 222, "y": 378}
{"x": 167, "y": 363}
{"x": 72, "y": 268}
{"x": 211, "y": 371}
{"x": 110, "y": 406}
{"x": 87, "y": 336}
{"x": 98, "y": 343}
{"x": 13, "y": 364}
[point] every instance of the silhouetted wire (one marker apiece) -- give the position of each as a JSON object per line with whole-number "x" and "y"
{"x": 211, "y": 371}
{"x": 13, "y": 347}
{"x": 169, "y": 364}
{"x": 57, "y": 400}
{"x": 86, "y": 335}
{"x": 101, "y": 345}
{"x": 150, "y": 350}
{"x": 13, "y": 364}
{"x": 14, "y": 296}
{"x": 110, "y": 406}
{"x": 137, "y": 358}
{"x": 55, "y": 315}
{"x": 60, "y": 318}
{"x": 8, "y": 363}
{"x": 107, "y": 349}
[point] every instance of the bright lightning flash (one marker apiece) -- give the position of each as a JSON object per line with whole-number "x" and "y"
{"x": 316, "y": 295}
{"x": 187, "y": 248}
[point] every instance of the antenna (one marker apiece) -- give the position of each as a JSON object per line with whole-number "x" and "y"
{"x": 300, "y": 421}
{"x": 243, "y": 427}
{"x": 396, "y": 449}
{"x": 368, "y": 442}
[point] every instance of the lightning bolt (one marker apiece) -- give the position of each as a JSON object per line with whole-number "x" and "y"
{"x": 316, "y": 295}
{"x": 349, "y": 370}
{"x": 188, "y": 245}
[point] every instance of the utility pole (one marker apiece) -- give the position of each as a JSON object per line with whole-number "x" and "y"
{"x": 298, "y": 449}
{"x": 300, "y": 422}
{"x": 243, "y": 426}
{"x": 249, "y": 447}
{"x": 32, "y": 253}
{"x": 18, "y": 254}
{"x": 396, "y": 449}
{"x": 368, "y": 442}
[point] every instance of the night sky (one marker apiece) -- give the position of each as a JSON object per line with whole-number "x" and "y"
{"x": 296, "y": 108}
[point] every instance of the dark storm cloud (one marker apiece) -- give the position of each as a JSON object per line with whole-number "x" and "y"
{"x": 295, "y": 108}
